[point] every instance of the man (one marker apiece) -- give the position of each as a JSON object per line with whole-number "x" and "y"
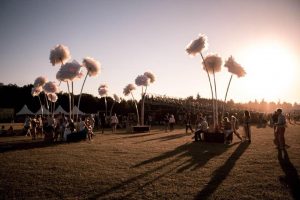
{"x": 274, "y": 120}
{"x": 202, "y": 127}
{"x": 280, "y": 128}
{"x": 188, "y": 122}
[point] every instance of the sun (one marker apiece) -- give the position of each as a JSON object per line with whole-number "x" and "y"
{"x": 270, "y": 70}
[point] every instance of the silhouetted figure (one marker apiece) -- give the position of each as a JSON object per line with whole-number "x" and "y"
{"x": 280, "y": 128}
{"x": 247, "y": 129}
{"x": 166, "y": 122}
{"x": 274, "y": 120}
{"x": 188, "y": 122}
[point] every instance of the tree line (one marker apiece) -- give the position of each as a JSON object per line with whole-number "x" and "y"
{"x": 14, "y": 97}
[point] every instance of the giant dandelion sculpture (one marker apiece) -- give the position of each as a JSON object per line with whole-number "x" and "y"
{"x": 69, "y": 72}
{"x": 52, "y": 97}
{"x": 196, "y": 47}
{"x": 128, "y": 90}
{"x": 38, "y": 84}
{"x": 59, "y": 55}
{"x": 93, "y": 68}
{"x": 51, "y": 88}
{"x": 212, "y": 63}
{"x": 144, "y": 81}
{"x": 103, "y": 91}
{"x": 116, "y": 100}
{"x": 235, "y": 69}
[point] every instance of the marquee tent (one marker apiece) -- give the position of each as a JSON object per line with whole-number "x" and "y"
{"x": 25, "y": 111}
{"x": 59, "y": 109}
{"x": 45, "y": 111}
{"x": 75, "y": 110}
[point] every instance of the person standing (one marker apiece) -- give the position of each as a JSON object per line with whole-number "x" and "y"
{"x": 39, "y": 128}
{"x": 27, "y": 126}
{"x": 114, "y": 122}
{"x": 247, "y": 129}
{"x": 274, "y": 120}
{"x": 280, "y": 128}
{"x": 172, "y": 122}
{"x": 34, "y": 123}
{"x": 188, "y": 123}
{"x": 228, "y": 131}
{"x": 166, "y": 122}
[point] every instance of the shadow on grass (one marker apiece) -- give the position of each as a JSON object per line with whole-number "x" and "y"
{"x": 173, "y": 160}
{"x": 166, "y": 138}
{"x": 26, "y": 144}
{"x": 291, "y": 179}
{"x": 220, "y": 174}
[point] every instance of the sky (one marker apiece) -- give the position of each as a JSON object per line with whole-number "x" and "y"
{"x": 130, "y": 37}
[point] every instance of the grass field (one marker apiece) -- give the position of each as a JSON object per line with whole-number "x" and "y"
{"x": 155, "y": 165}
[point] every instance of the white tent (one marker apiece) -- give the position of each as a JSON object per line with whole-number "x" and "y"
{"x": 25, "y": 111}
{"x": 45, "y": 111}
{"x": 59, "y": 109}
{"x": 75, "y": 110}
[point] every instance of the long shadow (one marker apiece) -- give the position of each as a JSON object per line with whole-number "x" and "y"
{"x": 291, "y": 179}
{"x": 166, "y": 138}
{"x": 137, "y": 135}
{"x": 132, "y": 180}
{"x": 220, "y": 174}
{"x": 193, "y": 150}
{"x": 26, "y": 144}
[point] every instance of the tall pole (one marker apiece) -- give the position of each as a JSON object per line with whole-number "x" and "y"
{"x": 211, "y": 89}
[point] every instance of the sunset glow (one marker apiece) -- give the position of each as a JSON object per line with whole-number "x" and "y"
{"x": 271, "y": 68}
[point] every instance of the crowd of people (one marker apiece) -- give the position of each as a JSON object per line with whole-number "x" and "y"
{"x": 58, "y": 128}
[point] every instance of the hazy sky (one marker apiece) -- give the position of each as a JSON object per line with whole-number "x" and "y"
{"x": 130, "y": 37}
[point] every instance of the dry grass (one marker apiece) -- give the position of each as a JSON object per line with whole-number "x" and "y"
{"x": 154, "y": 165}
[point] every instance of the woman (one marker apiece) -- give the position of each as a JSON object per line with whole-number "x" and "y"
{"x": 114, "y": 122}
{"x": 247, "y": 129}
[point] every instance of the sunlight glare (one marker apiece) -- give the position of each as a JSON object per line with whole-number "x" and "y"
{"x": 270, "y": 69}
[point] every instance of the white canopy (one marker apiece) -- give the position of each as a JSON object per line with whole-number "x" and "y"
{"x": 75, "y": 110}
{"x": 59, "y": 109}
{"x": 45, "y": 111}
{"x": 25, "y": 111}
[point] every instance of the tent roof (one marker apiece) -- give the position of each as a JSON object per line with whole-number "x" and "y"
{"x": 75, "y": 110}
{"x": 25, "y": 111}
{"x": 45, "y": 111}
{"x": 59, "y": 109}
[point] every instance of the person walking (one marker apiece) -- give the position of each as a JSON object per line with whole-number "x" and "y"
{"x": 280, "y": 128}
{"x": 234, "y": 126}
{"x": 247, "y": 129}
